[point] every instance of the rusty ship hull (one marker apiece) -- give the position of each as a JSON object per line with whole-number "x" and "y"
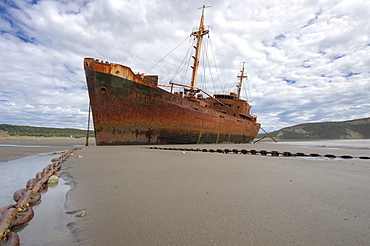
{"x": 128, "y": 110}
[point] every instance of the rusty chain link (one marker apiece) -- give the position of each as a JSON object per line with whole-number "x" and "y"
{"x": 263, "y": 153}
{"x": 18, "y": 214}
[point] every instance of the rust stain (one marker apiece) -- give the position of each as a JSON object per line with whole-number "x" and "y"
{"x": 131, "y": 109}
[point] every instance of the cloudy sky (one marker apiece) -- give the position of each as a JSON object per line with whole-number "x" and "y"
{"x": 307, "y": 61}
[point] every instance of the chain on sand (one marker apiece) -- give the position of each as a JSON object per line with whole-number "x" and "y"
{"x": 18, "y": 214}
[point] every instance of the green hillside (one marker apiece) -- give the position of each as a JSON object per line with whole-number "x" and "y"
{"x": 353, "y": 129}
{"x": 12, "y": 130}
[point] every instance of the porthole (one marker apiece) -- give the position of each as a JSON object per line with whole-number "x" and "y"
{"x": 103, "y": 89}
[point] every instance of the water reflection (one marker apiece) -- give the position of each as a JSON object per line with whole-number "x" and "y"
{"x": 48, "y": 226}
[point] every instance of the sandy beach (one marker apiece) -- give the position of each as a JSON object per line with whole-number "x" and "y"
{"x": 132, "y": 195}
{"x": 17, "y": 147}
{"x": 136, "y": 196}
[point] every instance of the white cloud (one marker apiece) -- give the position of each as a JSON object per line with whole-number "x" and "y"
{"x": 307, "y": 61}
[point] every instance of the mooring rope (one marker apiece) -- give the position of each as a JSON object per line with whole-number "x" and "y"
{"x": 88, "y": 126}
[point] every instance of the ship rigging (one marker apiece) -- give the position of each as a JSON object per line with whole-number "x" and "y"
{"x": 130, "y": 108}
{"x": 192, "y": 91}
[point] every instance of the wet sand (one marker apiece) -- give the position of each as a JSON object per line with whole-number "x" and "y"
{"x": 136, "y": 196}
{"x": 12, "y": 148}
{"x": 48, "y": 226}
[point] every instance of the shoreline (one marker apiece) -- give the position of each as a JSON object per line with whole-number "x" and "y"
{"x": 134, "y": 195}
{"x": 139, "y": 196}
{"x": 12, "y": 148}
{"x": 22, "y": 163}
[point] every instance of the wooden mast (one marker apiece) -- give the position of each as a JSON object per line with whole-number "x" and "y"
{"x": 199, "y": 35}
{"x": 241, "y": 77}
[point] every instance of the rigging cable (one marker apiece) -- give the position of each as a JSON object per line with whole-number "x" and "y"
{"x": 187, "y": 65}
{"x": 214, "y": 60}
{"x": 204, "y": 58}
{"x": 247, "y": 91}
{"x": 166, "y": 55}
{"x": 181, "y": 66}
{"x": 210, "y": 72}
{"x": 88, "y": 126}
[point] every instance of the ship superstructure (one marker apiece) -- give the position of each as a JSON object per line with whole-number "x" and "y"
{"x": 131, "y": 108}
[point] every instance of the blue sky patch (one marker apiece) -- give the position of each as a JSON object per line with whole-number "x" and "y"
{"x": 289, "y": 81}
{"x": 10, "y": 3}
{"x": 338, "y": 57}
{"x": 350, "y": 74}
{"x": 44, "y": 42}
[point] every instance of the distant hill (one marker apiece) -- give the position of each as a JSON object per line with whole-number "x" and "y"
{"x": 12, "y": 130}
{"x": 353, "y": 129}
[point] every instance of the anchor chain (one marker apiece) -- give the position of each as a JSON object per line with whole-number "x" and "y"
{"x": 264, "y": 153}
{"x": 18, "y": 214}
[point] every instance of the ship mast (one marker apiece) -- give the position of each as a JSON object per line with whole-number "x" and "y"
{"x": 241, "y": 77}
{"x": 199, "y": 35}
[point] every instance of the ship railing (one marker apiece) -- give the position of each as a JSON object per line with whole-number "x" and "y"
{"x": 170, "y": 86}
{"x": 181, "y": 85}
